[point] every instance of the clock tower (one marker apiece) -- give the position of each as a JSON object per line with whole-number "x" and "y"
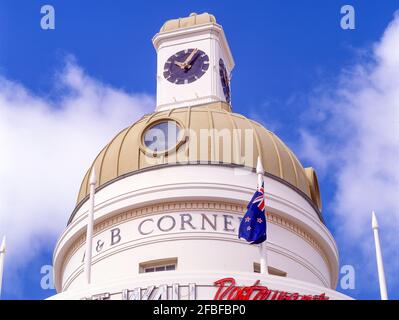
{"x": 194, "y": 62}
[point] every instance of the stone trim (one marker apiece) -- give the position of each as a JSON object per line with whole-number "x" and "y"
{"x": 193, "y": 206}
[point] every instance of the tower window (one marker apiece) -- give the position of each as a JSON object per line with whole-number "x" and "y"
{"x": 158, "y": 265}
{"x": 271, "y": 270}
{"x": 162, "y": 136}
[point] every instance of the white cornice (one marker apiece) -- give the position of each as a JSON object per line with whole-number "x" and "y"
{"x": 181, "y": 35}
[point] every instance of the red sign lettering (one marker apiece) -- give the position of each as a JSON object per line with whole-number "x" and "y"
{"x": 227, "y": 290}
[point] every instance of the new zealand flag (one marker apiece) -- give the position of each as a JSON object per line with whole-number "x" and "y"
{"x": 253, "y": 225}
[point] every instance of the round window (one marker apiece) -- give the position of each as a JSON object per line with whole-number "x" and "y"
{"x": 162, "y": 136}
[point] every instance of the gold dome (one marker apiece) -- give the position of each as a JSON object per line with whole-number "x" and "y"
{"x": 190, "y": 21}
{"x": 126, "y": 153}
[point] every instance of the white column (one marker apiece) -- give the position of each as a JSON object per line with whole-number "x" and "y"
{"x": 89, "y": 233}
{"x": 262, "y": 247}
{"x": 2, "y": 256}
{"x": 380, "y": 264}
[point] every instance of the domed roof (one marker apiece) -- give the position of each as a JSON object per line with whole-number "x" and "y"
{"x": 192, "y": 20}
{"x": 128, "y": 153}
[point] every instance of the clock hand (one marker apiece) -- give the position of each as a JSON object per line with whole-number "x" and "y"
{"x": 180, "y": 64}
{"x": 226, "y": 79}
{"x": 189, "y": 58}
{"x": 192, "y": 61}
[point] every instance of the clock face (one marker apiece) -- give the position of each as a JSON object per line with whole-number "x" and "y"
{"x": 224, "y": 78}
{"x": 186, "y": 66}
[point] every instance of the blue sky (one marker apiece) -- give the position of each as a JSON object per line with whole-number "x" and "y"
{"x": 303, "y": 60}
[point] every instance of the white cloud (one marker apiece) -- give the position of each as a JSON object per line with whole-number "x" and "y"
{"x": 310, "y": 148}
{"x": 46, "y": 146}
{"x": 360, "y": 136}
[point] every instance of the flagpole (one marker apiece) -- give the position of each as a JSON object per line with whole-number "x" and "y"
{"x": 380, "y": 264}
{"x": 89, "y": 233}
{"x": 2, "y": 256}
{"x": 262, "y": 247}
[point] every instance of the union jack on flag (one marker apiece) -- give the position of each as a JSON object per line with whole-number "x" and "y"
{"x": 253, "y": 225}
{"x": 260, "y": 199}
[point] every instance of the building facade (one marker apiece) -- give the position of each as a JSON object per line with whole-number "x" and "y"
{"x": 172, "y": 188}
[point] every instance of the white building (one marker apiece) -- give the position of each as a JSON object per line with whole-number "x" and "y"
{"x": 172, "y": 187}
